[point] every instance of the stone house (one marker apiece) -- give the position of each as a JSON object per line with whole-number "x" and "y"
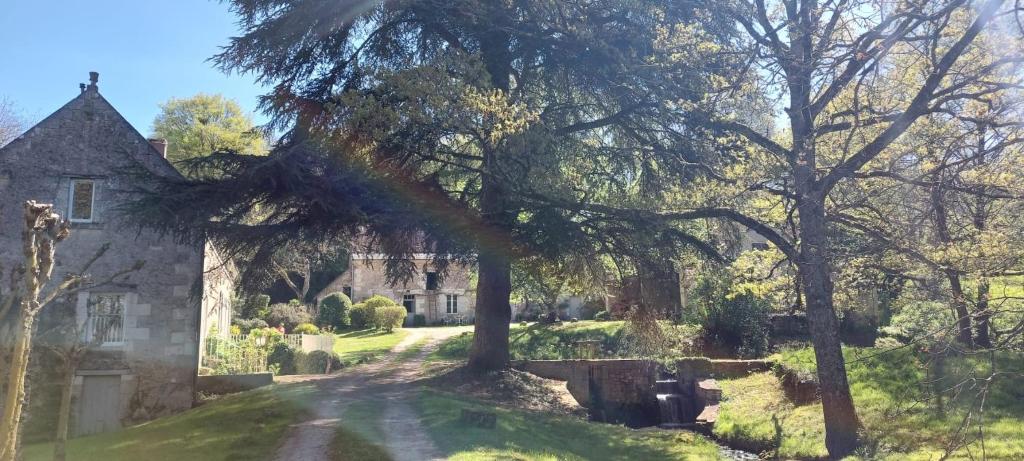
{"x": 85, "y": 158}
{"x": 452, "y": 298}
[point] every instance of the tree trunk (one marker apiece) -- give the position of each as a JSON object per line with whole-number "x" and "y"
{"x": 493, "y": 313}
{"x": 494, "y": 286}
{"x": 982, "y": 315}
{"x": 15, "y": 396}
{"x": 64, "y": 417}
{"x": 841, "y": 423}
{"x": 959, "y": 301}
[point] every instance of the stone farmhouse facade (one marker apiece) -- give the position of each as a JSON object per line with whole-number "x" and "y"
{"x": 157, "y": 319}
{"x": 451, "y": 299}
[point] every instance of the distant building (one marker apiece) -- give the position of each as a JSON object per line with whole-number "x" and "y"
{"x": 154, "y": 323}
{"x": 451, "y": 298}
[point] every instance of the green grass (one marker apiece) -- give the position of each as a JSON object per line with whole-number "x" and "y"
{"x": 366, "y": 345}
{"x": 412, "y": 350}
{"x": 893, "y": 399}
{"x": 551, "y": 342}
{"x": 245, "y": 426}
{"x": 523, "y": 435}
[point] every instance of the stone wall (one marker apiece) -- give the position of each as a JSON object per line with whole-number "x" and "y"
{"x": 366, "y": 276}
{"x": 87, "y": 138}
{"x": 615, "y": 391}
{"x": 623, "y": 390}
{"x": 229, "y": 384}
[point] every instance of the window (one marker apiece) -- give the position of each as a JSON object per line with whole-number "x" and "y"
{"x": 347, "y": 291}
{"x": 106, "y": 318}
{"x": 409, "y": 301}
{"x": 452, "y": 304}
{"x": 759, "y": 246}
{"x": 431, "y": 280}
{"x": 81, "y": 201}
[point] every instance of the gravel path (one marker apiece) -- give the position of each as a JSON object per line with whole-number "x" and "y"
{"x": 388, "y": 379}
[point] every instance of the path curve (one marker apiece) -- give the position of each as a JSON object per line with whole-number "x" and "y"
{"x": 389, "y": 379}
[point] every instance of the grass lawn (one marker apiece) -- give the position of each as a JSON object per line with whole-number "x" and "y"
{"x": 890, "y": 391}
{"x": 366, "y": 345}
{"x": 548, "y": 342}
{"x": 523, "y": 435}
{"x": 246, "y": 426}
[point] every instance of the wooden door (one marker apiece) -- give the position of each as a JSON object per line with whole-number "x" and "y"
{"x": 99, "y": 404}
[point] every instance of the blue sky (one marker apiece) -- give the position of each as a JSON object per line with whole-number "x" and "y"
{"x": 146, "y": 52}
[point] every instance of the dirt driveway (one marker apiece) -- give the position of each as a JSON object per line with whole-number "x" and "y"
{"x": 387, "y": 379}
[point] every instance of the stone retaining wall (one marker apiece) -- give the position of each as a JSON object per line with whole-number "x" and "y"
{"x": 622, "y": 390}
{"x": 229, "y": 384}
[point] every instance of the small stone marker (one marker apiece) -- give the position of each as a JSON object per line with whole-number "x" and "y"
{"x": 481, "y": 419}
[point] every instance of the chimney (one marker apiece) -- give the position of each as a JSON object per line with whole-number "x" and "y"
{"x": 94, "y": 77}
{"x": 160, "y": 145}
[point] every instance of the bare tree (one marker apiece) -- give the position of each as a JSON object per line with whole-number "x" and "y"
{"x": 44, "y": 230}
{"x": 10, "y": 123}
{"x": 72, "y": 342}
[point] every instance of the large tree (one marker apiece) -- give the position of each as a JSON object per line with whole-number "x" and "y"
{"x": 451, "y": 125}
{"x": 830, "y": 67}
{"x": 205, "y": 123}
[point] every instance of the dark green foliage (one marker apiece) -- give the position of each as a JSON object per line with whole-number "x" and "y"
{"x": 289, "y": 315}
{"x": 737, "y": 322}
{"x": 387, "y": 318}
{"x": 251, "y": 307}
{"x": 361, "y": 316}
{"x": 283, "y": 357}
{"x": 247, "y": 325}
{"x": 419, "y": 320}
{"x": 378, "y": 312}
{"x": 590, "y": 309}
{"x": 317, "y": 362}
{"x": 335, "y": 311}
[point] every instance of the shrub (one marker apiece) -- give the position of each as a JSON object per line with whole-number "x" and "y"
{"x": 317, "y": 362}
{"x": 419, "y": 320}
{"x": 361, "y": 316}
{"x": 379, "y": 301}
{"x": 283, "y": 357}
{"x": 737, "y": 321}
{"x": 273, "y": 336}
{"x": 306, "y": 329}
{"x": 388, "y": 318}
{"x": 602, "y": 315}
{"x": 920, "y": 319}
{"x": 289, "y": 315}
{"x": 235, "y": 330}
{"x": 334, "y": 311}
{"x": 247, "y": 325}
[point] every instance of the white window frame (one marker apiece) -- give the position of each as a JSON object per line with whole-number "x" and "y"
{"x": 451, "y": 303}
{"x": 408, "y": 297}
{"x": 71, "y": 200}
{"x": 90, "y": 318}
